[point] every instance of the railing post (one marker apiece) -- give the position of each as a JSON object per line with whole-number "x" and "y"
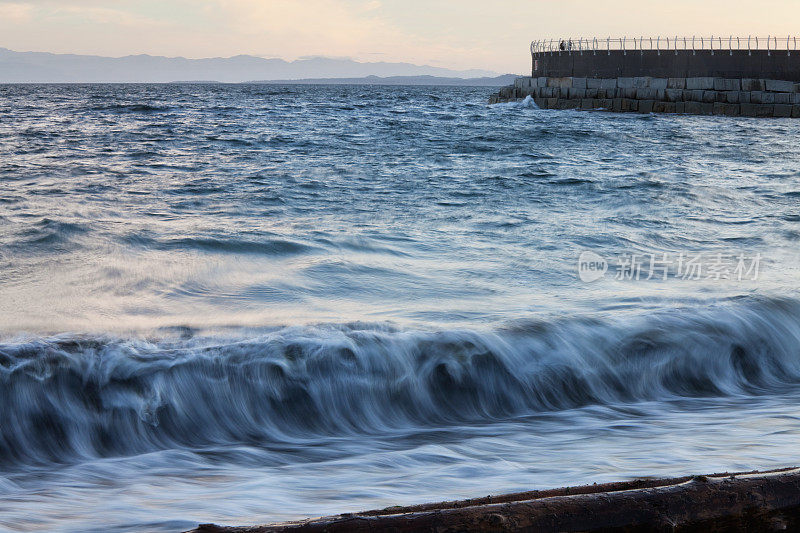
{"x": 568, "y": 45}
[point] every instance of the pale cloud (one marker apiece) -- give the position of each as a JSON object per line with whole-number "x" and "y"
{"x": 343, "y": 29}
{"x": 16, "y": 12}
{"x": 307, "y": 21}
{"x": 106, "y": 16}
{"x": 309, "y": 27}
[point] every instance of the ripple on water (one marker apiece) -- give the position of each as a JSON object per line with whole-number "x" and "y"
{"x": 319, "y": 299}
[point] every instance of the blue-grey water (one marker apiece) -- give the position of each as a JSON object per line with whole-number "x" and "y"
{"x": 245, "y": 304}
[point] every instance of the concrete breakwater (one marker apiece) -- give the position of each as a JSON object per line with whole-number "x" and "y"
{"x": 733, "y": 76}
{"x": 745, "y": 97}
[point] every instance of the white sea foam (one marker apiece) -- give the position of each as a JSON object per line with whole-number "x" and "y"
{"x": 526, "y": 103}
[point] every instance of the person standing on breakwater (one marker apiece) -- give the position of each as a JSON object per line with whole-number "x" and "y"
{"x": 562, "y": 45}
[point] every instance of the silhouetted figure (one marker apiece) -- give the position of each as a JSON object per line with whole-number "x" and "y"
{"x": 562, "y": 45}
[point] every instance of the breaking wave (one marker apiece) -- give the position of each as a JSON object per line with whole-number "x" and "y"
{"x": 68, "y": 398}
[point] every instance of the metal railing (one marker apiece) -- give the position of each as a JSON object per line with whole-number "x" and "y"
{"x": 714, "y": 44}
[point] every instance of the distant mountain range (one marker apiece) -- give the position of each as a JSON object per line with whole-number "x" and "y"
{"x": 41, "y": 67}
{"x": 493, "y": 81}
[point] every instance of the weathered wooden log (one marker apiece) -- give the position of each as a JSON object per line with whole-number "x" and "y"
{"x": 756, "y": 501}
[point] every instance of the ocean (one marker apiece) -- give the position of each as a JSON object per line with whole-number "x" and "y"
{"x": 244, "y": 304}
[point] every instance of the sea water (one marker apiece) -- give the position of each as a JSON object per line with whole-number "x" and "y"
{"x": 249, "y": 303}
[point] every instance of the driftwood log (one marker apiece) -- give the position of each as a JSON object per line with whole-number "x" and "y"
{"x": 755, "y": 501}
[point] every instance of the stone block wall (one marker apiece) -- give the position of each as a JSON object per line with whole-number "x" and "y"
{"x": 698, "y": 96}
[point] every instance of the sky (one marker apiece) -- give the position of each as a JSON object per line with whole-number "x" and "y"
{"x": 457, "y": 34}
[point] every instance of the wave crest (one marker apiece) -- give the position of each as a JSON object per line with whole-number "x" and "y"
{"x": 72, "y": 397}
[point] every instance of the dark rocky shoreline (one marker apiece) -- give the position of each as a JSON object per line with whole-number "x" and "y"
{"x": 753, "y": 501}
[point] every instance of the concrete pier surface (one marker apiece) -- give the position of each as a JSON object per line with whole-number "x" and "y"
{"x": 754, "y": 501}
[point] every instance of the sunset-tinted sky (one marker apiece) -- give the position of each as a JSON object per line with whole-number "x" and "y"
{"x": 449, "y": 33}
